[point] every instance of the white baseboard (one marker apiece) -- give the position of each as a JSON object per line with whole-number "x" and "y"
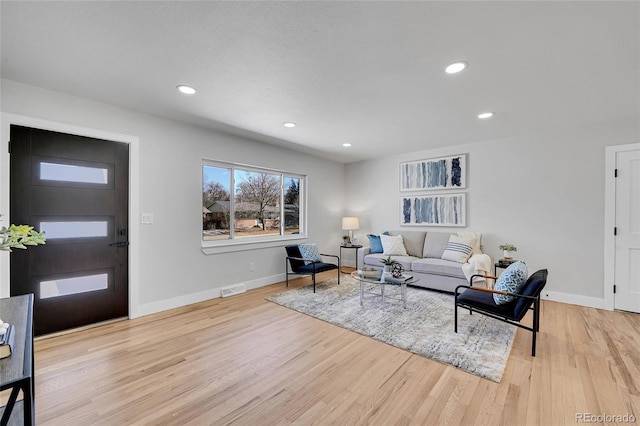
{"x": 188, "y": 299}
{"x": 573, "y": 299}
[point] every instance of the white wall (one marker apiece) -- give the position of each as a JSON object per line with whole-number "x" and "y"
{"x": 544, "y": 193}
{"x": 171, "y": 269}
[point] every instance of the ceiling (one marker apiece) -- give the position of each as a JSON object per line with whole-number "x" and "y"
{"x": 366, "y": 73}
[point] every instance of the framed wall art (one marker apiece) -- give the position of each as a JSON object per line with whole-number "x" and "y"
{"x": 433, "y": 210}
{"x": 434, "y": 173}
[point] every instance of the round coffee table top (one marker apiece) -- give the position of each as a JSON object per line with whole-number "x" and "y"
{"x": 373, "y": 278}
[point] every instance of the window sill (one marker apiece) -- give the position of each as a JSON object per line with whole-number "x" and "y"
{"x": 231, "y": 246}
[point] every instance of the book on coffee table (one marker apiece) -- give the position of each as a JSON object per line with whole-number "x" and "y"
{"x": 399, "y": 280}
{"x": 6, "y": 341}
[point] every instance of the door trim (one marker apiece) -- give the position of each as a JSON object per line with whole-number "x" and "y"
{"x": 610, "y": 220}
{"x": 7, "y": 119}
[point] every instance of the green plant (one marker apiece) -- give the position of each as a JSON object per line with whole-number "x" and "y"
{"x": 20, "y": 236}
{"x": 508, "y": 247}
{"x": 388, "y": 261}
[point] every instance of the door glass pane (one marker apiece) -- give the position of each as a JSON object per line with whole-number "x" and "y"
{"x": 67, "y": 286}
{"x": 54, "y": 230}
{"x": 71, "y": 173}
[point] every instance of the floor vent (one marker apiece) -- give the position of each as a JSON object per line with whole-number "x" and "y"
{"x": 232, "y": 290}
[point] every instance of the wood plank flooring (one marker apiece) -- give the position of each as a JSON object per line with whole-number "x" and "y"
{"x": 245, "y": 361}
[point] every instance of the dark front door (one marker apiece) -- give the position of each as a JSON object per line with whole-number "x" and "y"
{"x": 75, "y": 189}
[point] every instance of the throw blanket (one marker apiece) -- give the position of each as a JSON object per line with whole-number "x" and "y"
{"x": 478, "y": 264}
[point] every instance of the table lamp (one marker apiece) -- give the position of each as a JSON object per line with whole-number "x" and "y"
{"x": 349, "y": 224}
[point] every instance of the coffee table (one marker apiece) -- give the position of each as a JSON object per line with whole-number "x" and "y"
{"x": 371, "y": 277}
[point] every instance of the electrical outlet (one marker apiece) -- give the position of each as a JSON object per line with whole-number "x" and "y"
{"x": 252, "y": 266}
{"x": 146, "y": 218}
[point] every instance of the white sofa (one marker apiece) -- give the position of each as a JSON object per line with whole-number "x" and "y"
{"x": 425, "y": 249}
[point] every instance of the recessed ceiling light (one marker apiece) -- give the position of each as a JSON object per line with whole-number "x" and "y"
{"x": 485, "y": 115}
{"x": 187, "y": 90}
{"x": 456, "y": 67}
{"x": 346, "y": 145}
{"x": 289, "y": 124}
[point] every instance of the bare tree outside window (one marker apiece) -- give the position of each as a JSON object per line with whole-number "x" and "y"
{"x": 216, "y": 203}
{"x": 291, "y": 205}
{"x": 257, "y": 198}
{"x": 240, "y": 203}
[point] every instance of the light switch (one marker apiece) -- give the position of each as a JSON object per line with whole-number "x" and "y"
{"x": 146, "y": 218}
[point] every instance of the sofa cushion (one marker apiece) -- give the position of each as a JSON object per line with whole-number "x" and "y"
{"x": 375, "y": 245}
{"x": 413, "y": 241}
{"x": 459, "y": 249}
{"x": 435, "y": 244}
{"x": 438, "y": 267}
{"x": 374, "y": 260}
{"x": 393, "y": 245}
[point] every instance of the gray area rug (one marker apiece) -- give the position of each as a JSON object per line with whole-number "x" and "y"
{"x": 425, "y": 327}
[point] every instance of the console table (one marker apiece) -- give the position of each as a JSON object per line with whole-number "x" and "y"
{"x": 16, "y": 371}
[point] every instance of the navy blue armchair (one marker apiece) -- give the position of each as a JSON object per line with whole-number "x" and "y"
{"x": 295, "y": 265}
{"x": 480, "y": 300}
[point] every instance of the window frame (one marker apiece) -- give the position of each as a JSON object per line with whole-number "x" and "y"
{"x": 232, "y": 244}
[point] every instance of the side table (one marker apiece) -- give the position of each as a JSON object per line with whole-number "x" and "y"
{"x": 349, "y": 246}
{"x": 503, "y": 264}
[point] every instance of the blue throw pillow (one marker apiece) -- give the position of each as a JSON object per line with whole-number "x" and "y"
{"x": 512, "y": 280}
{"x": 310, "y": 253}
{"x": 375, "y": 245}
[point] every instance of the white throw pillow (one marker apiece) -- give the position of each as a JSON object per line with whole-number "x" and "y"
{"x": 393, "y": 245}
{"x": 477, "y": 249}
{"x": 459, "y": 249}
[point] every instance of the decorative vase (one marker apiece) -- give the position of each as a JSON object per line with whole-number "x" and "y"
{"x": 384, "y": 272}
{"x": 508, "y": 255}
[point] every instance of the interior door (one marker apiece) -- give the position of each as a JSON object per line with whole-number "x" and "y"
{"x": 75, "y": 189}
{"x": 627, "y": 252}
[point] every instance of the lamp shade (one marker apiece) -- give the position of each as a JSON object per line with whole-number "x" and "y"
{"x": 349, "y": 223}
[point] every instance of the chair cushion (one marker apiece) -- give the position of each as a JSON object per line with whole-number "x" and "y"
{"x": 393, "y": 245}
{"x": 316, "y": 266}
{"x": 459, "y": 249}
{"x": 484, "y": 301}
{"x": 294, "y": 251}
{"x": 512, "y": 280}
{"x": 533, "y": 287}
{"x": 375, "y": 245}
{"x": 310, "y": 253}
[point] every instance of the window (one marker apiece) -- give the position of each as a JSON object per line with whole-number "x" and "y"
{"x": 73, "y": 173}
{"x": 246, "y": 204}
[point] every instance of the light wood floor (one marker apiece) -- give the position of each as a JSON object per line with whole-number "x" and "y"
{"x": 245, "y": 361}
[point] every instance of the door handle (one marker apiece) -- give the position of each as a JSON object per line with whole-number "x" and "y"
{"x": 120, "y": 244}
